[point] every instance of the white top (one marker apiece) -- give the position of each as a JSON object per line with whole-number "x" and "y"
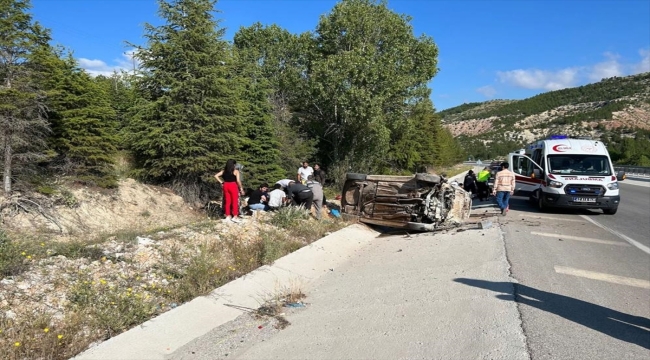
{"x": 284, "y": 182}
{"x": 275, "y": 198}
{"x": 305, "y": 172}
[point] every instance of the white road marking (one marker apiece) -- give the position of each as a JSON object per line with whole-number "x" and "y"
{"x": 578, "y": 238}
{"x": 624, "y": 237}
{"x": 615, "y": 279}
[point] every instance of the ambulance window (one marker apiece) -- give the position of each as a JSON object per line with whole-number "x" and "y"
{"x": 522, "y": 166}
{"x": 537, "y": 158}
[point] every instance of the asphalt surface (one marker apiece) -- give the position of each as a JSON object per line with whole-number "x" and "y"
{"x": 583, "y": 291}
{"x": 633, "y": 216}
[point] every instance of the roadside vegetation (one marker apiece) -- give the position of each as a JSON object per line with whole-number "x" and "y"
{"x": 58, "y": 297}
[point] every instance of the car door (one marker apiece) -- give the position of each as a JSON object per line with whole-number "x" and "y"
{"x": 526, "y": 179}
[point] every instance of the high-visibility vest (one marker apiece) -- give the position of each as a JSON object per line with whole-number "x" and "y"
{"x": 483, "y": 176}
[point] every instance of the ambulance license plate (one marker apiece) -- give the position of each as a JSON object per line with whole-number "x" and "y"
{"x": 584, "y": 199}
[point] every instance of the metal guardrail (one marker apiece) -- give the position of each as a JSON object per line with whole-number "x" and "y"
{"x": 634, "y": 171}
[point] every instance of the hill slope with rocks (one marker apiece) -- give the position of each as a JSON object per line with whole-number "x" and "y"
{"x": 611, "y": 110}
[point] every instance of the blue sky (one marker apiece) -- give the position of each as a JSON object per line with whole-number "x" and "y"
{"x": 508, "y": 49}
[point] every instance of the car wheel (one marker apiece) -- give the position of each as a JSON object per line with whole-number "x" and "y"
{"x": 435, "y": 179}
{"x": 355, "y": 176}
{"x": 610, "y": 211}
{"x": 351, "y": 194}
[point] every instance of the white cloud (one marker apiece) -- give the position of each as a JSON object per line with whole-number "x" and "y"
{"x": 606, "y": 69}
{"x": 99, "y": 67}
{"x": 549, "y": 80}
{"x": 540, "y": 79}
{"x": 487, "y": 91}
{"x": 644, "y": 64}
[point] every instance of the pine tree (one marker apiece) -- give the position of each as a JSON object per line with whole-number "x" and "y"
{"x": 189, "y": 122}
{"x": 23, "y": 127}
{"x": 83, "y": 123}
{"x": 260, "y": 147}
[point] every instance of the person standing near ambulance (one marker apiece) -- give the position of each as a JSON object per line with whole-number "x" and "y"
{"x": 504, "y": 187}
{"x": 482, "y": 183}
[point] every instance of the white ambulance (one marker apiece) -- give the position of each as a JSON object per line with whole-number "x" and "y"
{"x": 568, "y": 173}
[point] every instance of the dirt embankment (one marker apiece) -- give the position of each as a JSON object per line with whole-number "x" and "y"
{"x": 80, "y": 210}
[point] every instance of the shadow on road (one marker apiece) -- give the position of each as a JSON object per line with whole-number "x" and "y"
{"x": 625, "y": 327}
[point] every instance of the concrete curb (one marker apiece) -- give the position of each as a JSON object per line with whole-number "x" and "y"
{"x": 161, "y": 336}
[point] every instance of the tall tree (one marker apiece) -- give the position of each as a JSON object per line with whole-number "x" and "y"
{"x": 259, "y": 150}
{"x": 23, "y": 126}
{"x": 83, "y": 122}
{"x": 281, "y": 59}
{"x": 190, "y": 119}
{"x": 366, "y": 70}
{"x": 122, "y": 97}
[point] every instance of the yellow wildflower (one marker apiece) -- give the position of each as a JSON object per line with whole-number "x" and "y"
{"x": 29, "y": 257}
{"x": 23, "y": 254}
{"x": 102, "y": 281}
{"x": 17, "y": 343}
{"x": 59, "y": 336}
{"x": 42, "y": 244}
{"x": 46, "y": 330}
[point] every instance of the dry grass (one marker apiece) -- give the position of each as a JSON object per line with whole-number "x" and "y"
{"x": 99, "y": 308}
{"x": 273, "y": 305}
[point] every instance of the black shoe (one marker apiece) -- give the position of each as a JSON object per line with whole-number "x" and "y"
{"x": 503, "y": 212}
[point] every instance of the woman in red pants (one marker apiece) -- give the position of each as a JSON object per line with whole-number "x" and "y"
{"x": 232, "y": 187}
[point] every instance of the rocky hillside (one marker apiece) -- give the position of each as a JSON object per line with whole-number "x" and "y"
{"x": 617, "y": 106}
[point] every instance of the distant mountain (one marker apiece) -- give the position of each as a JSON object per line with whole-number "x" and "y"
{"x": 612, "y": 109}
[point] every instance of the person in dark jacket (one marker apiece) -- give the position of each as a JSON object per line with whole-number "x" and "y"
{"x": 470, "y": 182}
{"x": 300, "y": 194}
{"x": 319, "y": 174}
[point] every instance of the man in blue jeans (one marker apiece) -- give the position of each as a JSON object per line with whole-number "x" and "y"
{"x": 258, "y": 198}
{"x": 504, "y": 186}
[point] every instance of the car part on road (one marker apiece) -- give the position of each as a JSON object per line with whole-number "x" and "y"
{"x": 423, "y": 202}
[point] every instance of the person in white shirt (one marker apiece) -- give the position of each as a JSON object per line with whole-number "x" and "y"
{"x": 304, "y": 172}
{"x": 284, "y": 183}
{"x": 277, "y": 197}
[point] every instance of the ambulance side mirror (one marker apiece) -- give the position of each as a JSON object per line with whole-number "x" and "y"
{"x": 620, "y": 176}
{"x": 537, "y": 174}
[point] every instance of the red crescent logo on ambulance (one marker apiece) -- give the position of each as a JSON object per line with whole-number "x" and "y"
{"x": 561, "y": 148}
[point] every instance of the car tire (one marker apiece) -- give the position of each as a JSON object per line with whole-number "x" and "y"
{"x": 610, "y": 211}
{"x": 434, "y": 179}
{"x": 355, "y": 176}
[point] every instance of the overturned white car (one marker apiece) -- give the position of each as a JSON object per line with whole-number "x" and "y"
{"x": 423, "y": 202}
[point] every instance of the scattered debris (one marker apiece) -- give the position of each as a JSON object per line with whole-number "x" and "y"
{"x": 485, "y": 224}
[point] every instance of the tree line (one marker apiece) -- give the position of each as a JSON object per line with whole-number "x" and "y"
{"x": 352, "y": 94}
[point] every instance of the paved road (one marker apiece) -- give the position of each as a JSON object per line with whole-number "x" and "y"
{"x": 633, "y": 216}
{"x": 583, "y": 292}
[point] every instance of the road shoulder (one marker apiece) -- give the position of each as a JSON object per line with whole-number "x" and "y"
{"x": 417, "y": 296}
